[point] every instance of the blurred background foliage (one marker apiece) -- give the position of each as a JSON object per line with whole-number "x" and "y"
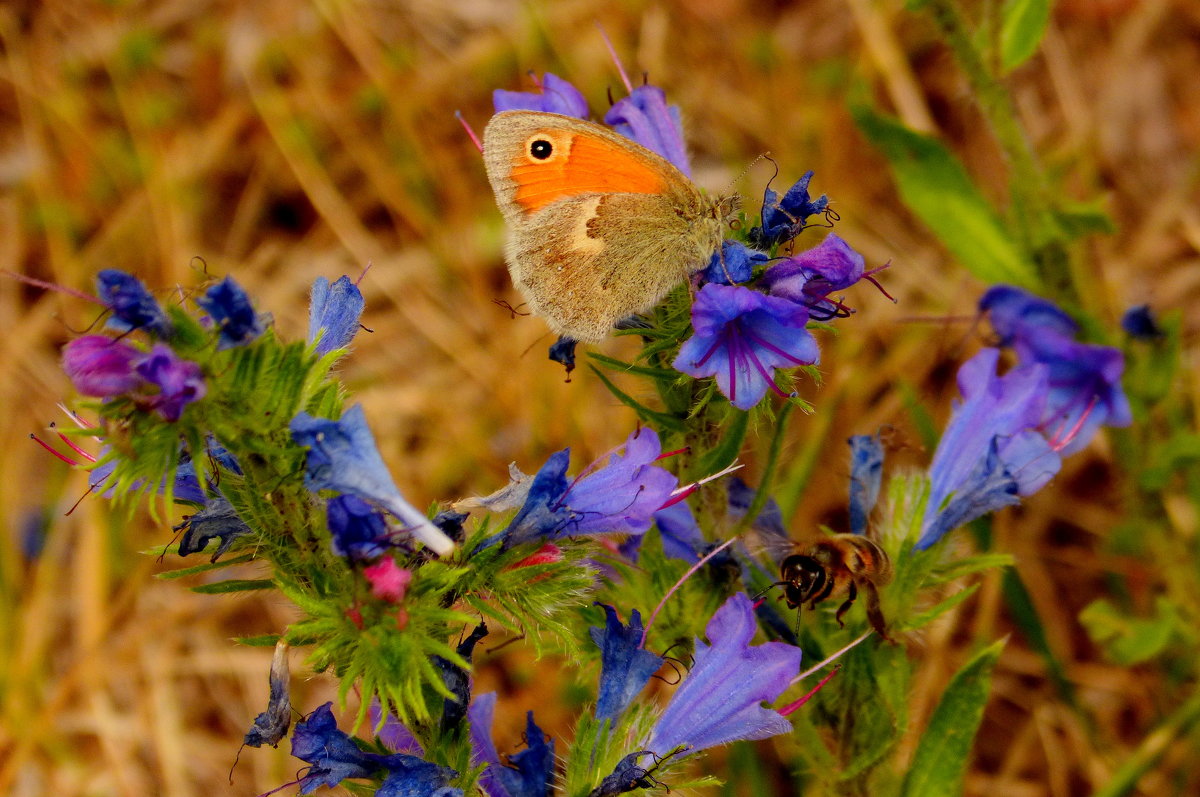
{"x": 279, "y": 141}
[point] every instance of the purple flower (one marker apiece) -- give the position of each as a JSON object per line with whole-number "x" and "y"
{"x": 179, "y": 382}
{"x": 1084, "y": 379}
{"x": 529, "y": 772}
{"x": 734, "y": 263}
{"x": 229, "y": 307}
{"x": 809, "y": 277}
{"x": 100, "y": 366}
{"x": 1139, "y": 322}
{"x": 720, "y": 700}
{"x": 645, "y": 117}
{"x": 680, "y": 533}
{"x": 272, "y": 725}
{"x": 619, "y": 497}
{"x": 784, "y": 219}
{"x": 357, "y": 530}
{"x": 554, "y": 95}
{"x": 333, "y": 314}
{"x": 1018, "y": 315}
{"x": 991, "y": 451}
{"x": 393, "y": 734}
{"x": 625, "y": 666}
{"x": 866, "y": 475}
{"x": 132, "y": 305}
{"x": 334, "y": 756}
{"x": 342, "y": 456}
{"x": 741, "y": 337}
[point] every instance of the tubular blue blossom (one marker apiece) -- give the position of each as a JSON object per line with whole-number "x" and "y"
{"x": 990, "y": 452}
{"x": 272, "y": 725}
{"x": 625, "y": 666}
{"x": 784, "y": 219}
{"x": 618, "y": 497}
{"x": 809, "y": 277}
{"x": 131, "y": 304}
{"x": 230, "y": 309}
{"x": 529, "y": 772}
{"x": 216, "y": 521}
{"x": 680, "y": 533}
{"x": 391, "y": 732}
{"x": 99, "y": 366}
{"x": 645, "y": 117}
{"x": 333, "y": 314}
{"x": 179, "y": 382}
{"x": 357, "y": 530}
{"x": 866, "y": 476}
{"x": 1139, "y": 323}
{"x": 741, "y": 337}
{"x": 720, "y": 700}
{"x": 734, "y": 263}
{"x": 554, "y": 95}
{"x": 626, "y": 777}
{"x": 342, "y": 456}
{"x": 334, "y": 757}
{"x": 458, "y": 680}
{"x": 1084, "y": 379}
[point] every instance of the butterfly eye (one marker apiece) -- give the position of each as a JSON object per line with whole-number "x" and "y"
{"x": 541, "y": 149}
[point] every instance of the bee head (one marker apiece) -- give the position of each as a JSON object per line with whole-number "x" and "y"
{"x": 804, "y": 575}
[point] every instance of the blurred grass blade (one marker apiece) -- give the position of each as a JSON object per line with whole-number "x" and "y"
{"x": 1021, "y": 30}
{"x": 936, "y": 187}
{"x": 234, "y": 585}
{"x": 941, "y": 756}
{"x": 1125, "y": 779}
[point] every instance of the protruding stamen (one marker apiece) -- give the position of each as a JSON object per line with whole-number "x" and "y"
{"x": 478, "y": 144}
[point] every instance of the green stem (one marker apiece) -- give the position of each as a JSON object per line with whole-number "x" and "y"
{"x": 763, "y": 494}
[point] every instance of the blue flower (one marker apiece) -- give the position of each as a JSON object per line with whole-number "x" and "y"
{"x": 529, "y": 772}
{"x": 1084, "y": 379}
{"x": 216, "y": 521}
{"x": 554, "y": 95}
{"x": 342, "y": 456}
{"x": 866, "y": 475}
{"x": 625, "y": 777}
{"x": 680, "y": 533}
{"x": 179, "y": 381}
{"x": 230, "y": 309}
{"x": 784, "y": 219}
{"x": 334, "y": 757}
{"x": 624, "y": 666}
{"x": 132, "y": 305}
{"x": 809, "y": 277}
{"x": 272, "y": 725}
{"x": 357, "y": 530}
{"x": 645, "y": 117}
{"x": 391, "y": 732}
{"x": 741, "y": 337}
{"x": 734, "y": 263}
{"x": 720, "y": 700}
{"x": 457, "y": 680}
{"x": 619, "y": 497}
{"x": 333, "y": 314}
{"x": 991, "y": 451}
{"x": 1139, "y": 322}
{"x": 101, "y": 367}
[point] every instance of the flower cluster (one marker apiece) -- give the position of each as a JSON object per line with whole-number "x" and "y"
{"x": 1007, "y": 437}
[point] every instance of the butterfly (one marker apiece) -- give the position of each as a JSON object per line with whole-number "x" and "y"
{"x": 600, "y": 228}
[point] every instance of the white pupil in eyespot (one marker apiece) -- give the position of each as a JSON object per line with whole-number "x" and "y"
{"x": 541, "y": 149}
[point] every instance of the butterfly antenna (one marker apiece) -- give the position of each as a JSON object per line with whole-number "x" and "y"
{"x": 466, "y": 126}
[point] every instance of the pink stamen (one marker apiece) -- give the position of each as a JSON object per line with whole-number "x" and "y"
{"x": 679, "y": 583}
{"x": 830, "y": 659}
{"x": 46, "y": 446}
{"x": 681, "y": 493}
{"x": 367, "y": 267}
{"x": 76, "y": 448}
{"x": 478, "y": 144}
{"x": 766, "y": 344}
{"x": 49, "y": 286}
{"x": 790, "y": 707}
{"x": 1057, "y": 443}
{"x": 666, "y": 454}
{"x": 617, "y": 61}
{"x": 769, "y": 378}
{"x": 869, "y": 277}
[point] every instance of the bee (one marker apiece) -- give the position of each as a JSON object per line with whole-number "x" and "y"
{"x": 842, "y": 564}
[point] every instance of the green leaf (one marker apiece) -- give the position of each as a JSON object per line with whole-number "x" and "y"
{"x": 261, "y": 641}
{"x": 1021, "y": 30}
{"x": 234, "y": 585}
{"x": 661, "y": 419}
{"x": 1129, "y": 640}
{"x": 927, "y": 617}
{"x": 936, "y": 187}
{"x": 941, "y": 757}
{"x": 171, "y": 575}
{"x": 727, "y": 448}
{"x": 628, "y": 368}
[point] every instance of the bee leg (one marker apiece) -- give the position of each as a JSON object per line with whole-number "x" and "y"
{"x": 874, "y": 613}
{"x": 845, "y": 607}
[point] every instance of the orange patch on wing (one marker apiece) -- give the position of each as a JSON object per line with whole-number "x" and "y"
{"x": 593, "y": 166}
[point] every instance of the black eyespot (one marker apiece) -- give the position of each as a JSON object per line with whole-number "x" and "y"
{"x": 541, "y": 149}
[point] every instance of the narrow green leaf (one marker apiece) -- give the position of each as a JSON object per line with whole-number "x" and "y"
{"x": 644, "y": 412}
{"x": 941, "y": 757}
{"x": 261, "y": 641}
{"x": 629, "y": 368}
{"x": 937, "y": 188}
{"x": 1021, "y": 30}
{"x": 171, "y": 575}
{"x": 234, "y": 585}
{"x": 727, "y": 448}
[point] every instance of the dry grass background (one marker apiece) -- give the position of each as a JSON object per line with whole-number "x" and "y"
{"x": 279, "y": 141}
